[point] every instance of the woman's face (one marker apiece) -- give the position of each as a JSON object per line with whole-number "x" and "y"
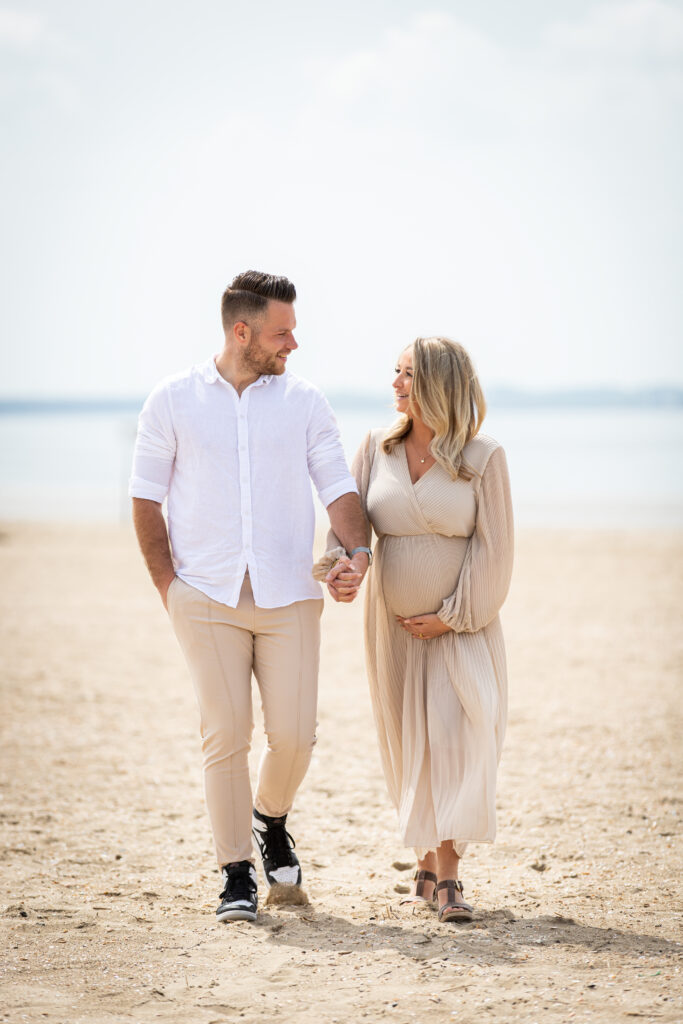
{"x": 403, "y": 381}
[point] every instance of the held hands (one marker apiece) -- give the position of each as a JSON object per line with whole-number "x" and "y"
{"x": 345, "y": 577}
{"x": 423, "y": 627}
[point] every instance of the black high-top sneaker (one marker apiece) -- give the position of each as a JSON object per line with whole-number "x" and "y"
{"x": 239, "y": 898}
{"x": 280, "y": 863}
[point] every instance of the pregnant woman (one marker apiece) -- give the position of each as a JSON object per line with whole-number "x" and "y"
{"x": 437, "y": 495}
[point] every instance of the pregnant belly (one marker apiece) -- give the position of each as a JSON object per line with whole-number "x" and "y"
{"x": 414, "y": 574}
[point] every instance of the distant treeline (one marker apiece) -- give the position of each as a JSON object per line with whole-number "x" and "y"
{"x": 497, "y": 398}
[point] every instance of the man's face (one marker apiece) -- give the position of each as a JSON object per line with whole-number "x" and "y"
{"x": 272, "y": 339}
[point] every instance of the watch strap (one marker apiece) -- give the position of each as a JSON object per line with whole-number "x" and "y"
{"x": 367, "y": 551}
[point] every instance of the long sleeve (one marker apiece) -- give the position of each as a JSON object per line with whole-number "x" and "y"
{"x": 361, "y": 466}
{"x": 485, "y": 576}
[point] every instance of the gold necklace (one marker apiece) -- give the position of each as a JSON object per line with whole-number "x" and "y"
{"x": 426, "y": 456}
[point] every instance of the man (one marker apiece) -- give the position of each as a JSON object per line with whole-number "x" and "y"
{"x": 233, "y": 443}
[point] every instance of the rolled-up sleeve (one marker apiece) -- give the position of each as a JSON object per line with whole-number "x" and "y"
{"x": 155, "y": 448}
{"x": 326, "y": 460}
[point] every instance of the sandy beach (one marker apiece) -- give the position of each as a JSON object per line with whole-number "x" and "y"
{"x": 108, "y": 880}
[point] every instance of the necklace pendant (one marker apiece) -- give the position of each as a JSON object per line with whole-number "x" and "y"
{"x": 422, "y": 460}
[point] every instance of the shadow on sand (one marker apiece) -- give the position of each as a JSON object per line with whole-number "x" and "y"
{"x": 495, "y": 936}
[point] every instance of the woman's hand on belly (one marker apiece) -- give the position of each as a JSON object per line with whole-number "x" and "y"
{"x": 423, "y": 627}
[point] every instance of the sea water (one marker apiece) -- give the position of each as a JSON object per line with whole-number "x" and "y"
{"x": 579, "y": 467}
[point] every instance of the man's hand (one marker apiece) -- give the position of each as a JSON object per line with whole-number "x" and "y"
{"x": 423, "y": 627}
{"x": 352, "y": 529}
{"x": 163, "y": 589}
{"x": 345, "y": 577}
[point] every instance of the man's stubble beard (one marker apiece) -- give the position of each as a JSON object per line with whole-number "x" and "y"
{"x": 255, "y": 360}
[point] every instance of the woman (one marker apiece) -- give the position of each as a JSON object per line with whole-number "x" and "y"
{"x": 437, "y": 495}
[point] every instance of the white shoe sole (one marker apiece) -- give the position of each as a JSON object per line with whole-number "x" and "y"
{"x": 236, "y": 915}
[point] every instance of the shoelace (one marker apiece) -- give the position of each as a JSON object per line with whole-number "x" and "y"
{"x": 239, "y": 884}
{"x": 278, "y": 844}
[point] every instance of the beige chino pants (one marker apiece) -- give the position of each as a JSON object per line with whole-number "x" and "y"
{"x": 222, "y": 647}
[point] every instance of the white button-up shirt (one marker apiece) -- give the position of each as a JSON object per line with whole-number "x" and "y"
{"x": 237, "y": 471}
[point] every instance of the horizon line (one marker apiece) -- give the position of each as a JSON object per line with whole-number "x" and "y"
{"x": 503, "y": 396}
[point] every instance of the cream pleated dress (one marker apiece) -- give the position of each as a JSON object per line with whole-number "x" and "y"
{"x": 440, "y": 705}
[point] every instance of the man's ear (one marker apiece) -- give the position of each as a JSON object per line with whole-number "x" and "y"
{"x": 241, "y": 332}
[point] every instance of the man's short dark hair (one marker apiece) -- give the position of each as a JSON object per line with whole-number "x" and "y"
{"x": 249, "y": 293}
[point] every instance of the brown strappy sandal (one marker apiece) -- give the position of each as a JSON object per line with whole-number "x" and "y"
{"x": 420, "y": 877}
{"x": 452, "y": 911}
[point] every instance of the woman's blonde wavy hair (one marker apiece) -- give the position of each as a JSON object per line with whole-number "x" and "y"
{"x": 450, "y": 401}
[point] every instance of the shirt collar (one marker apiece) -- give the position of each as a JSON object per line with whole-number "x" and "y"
{"x": 210, "y": 374}
{"x": 208, "y": 370}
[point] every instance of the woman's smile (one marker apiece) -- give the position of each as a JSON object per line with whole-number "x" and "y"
{"x": 403, "y": 381}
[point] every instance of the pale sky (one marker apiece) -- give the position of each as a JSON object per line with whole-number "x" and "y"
{"x": 507, "y": 174}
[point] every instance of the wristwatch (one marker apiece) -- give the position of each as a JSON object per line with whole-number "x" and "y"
{"x": 367, "y": 551}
